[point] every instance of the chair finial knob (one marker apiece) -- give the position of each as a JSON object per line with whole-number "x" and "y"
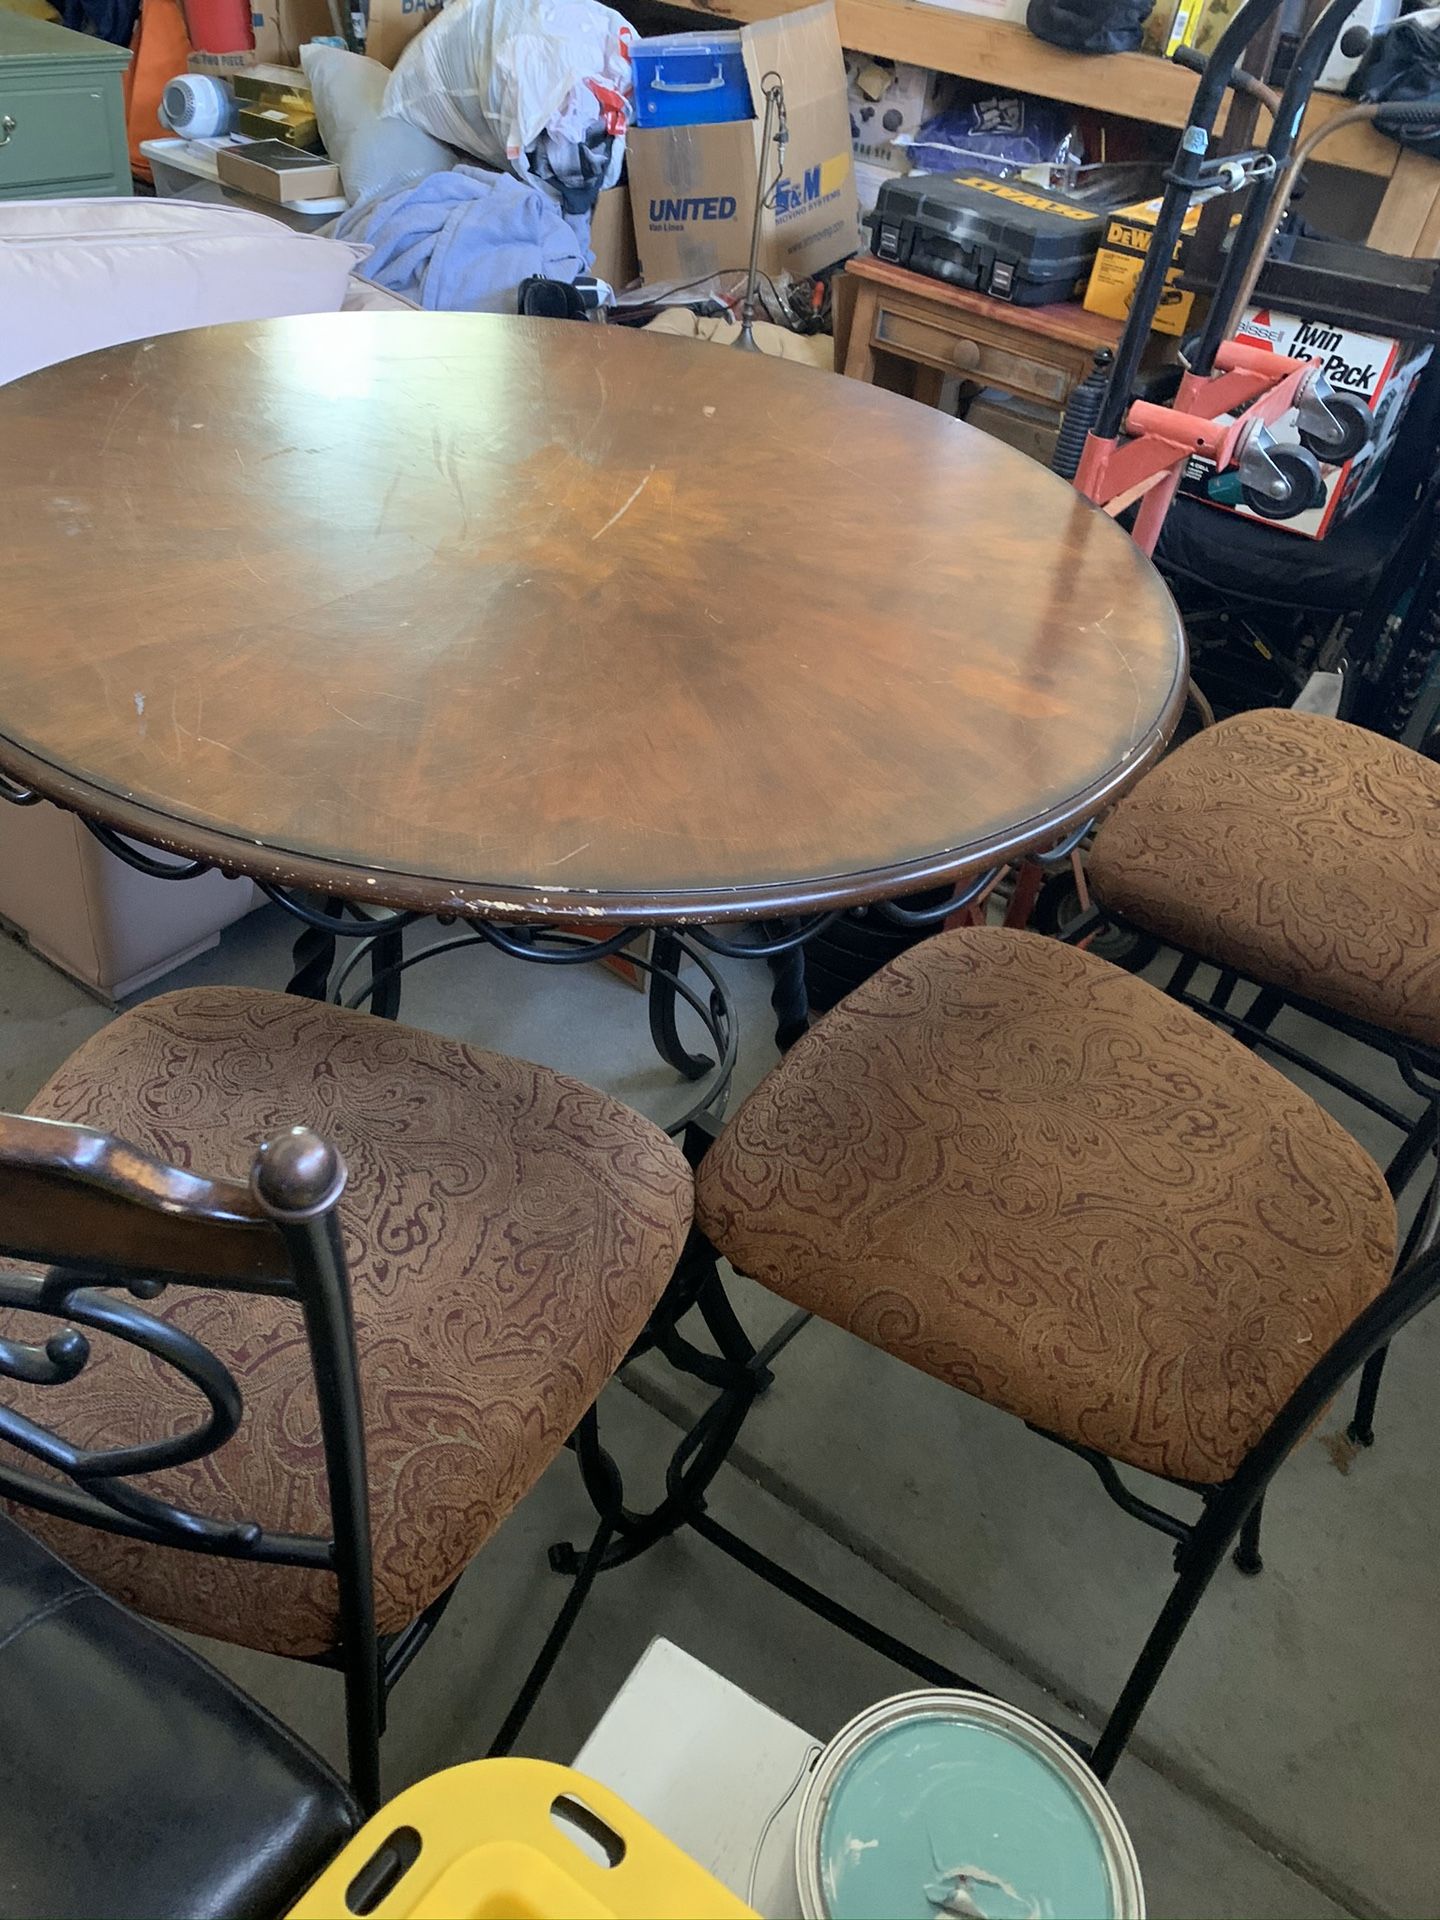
{"x": 297, "y": 1175}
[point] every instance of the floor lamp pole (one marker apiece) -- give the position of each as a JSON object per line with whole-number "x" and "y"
{"x": 777, "y": 128}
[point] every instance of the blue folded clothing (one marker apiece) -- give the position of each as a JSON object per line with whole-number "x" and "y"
{"x": 463, "y": 240}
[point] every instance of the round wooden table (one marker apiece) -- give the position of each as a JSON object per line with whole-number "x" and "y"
{"x": 521, "y": 620}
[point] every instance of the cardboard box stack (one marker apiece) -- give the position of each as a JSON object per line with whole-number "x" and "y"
{"x": 693, "y": 188}
{"x": 392, "y": 24}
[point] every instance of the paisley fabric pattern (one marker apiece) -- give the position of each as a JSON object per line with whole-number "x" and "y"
{"x": 508, "y": 1231}
{"x": 1302, "y": 851}
{"x": 1020, "y": 1169}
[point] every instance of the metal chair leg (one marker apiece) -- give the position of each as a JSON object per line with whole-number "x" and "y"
{"x": 1247, "y": 1549}
{"x": 789, "y": 999}
{"x": 825, "y": 1607}
{"x": 1225, "y": 986}
{"x": 1207, "y": 1549}
{"x": 1361, "y": 1430}
{"x": 606, "y": 1490}
{"x": 1266, "y": 1007}
{"x": 364, "y": 1722}
{"x": 1422, "y": 1139}
{"x": 1185, "y": 970}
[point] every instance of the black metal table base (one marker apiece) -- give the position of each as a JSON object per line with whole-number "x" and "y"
{"x": 739, "y": 1370}
{"x": 679, "y": 973}
{"x": 380, "y": 942}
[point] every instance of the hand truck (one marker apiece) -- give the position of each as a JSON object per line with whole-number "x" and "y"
{"x": 1121, "y": 451}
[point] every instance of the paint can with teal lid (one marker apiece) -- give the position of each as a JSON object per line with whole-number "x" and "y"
{"x": 948, "y": 1803}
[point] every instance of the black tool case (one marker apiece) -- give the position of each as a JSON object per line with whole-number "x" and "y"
{"x": 1020, "y": 243}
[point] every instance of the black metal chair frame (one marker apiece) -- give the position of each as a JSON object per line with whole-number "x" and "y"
{"x": 101, "y": 1217}
{"x": 1228, "y": 1521}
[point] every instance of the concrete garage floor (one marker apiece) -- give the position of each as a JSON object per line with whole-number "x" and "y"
{"x": 1288, "y": 1766}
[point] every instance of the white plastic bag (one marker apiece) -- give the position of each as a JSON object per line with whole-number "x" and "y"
{"x": 492, "y": 76}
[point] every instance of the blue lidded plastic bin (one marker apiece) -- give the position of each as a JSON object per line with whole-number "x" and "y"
{"x": 690, "y": 80}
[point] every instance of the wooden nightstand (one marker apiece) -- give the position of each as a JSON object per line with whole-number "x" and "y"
{"x": 901, "y": 329}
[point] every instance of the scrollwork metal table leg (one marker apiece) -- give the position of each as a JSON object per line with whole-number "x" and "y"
{"x": 667, "y": 955}
{"x": 698, "y": 1457}
{"x": 314, "y": 955}
{"x": 723, "y": 1324}
{"x": 789, "y": 998}
{"x": 387, "y": 952}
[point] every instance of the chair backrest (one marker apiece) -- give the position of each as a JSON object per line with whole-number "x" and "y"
{"x": 112, "y": 1229}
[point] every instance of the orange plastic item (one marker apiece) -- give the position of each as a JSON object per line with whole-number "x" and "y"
{"x": 497, "y": 1840}
{"x": 159, "y": 50}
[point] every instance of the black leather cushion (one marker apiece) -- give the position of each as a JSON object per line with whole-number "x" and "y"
{"x": 135, "y": 1779}
{"x": 1255, "y": 561}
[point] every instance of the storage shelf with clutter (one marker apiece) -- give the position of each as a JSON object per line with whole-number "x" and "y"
{"x": 1004, "y": 54}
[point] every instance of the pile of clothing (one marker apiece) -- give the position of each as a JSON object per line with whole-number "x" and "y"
{"x": 528, "y": 100}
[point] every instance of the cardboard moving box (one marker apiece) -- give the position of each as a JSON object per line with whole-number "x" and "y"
{"x": 393, "y": 24}
{"x": 693, "y": 188}
{"x": 612, "y": 238}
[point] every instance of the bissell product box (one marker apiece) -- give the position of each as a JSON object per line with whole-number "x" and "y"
{"x": 692, "y": 189}
{"x": 1382, "y": 372}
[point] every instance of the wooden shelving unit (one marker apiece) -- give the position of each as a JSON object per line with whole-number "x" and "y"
{"x": 1136, "y": 85}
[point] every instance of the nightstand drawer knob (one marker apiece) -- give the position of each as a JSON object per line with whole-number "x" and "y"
{"x": 7, "y": 127}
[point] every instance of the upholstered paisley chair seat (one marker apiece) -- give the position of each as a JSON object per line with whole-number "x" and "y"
{"x": 1300, "y": 851}
{"x": 1028, "y": 1173}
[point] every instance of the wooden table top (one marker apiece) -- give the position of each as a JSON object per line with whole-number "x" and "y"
{"x": 530, "y": 619}
{"x": 1064, "y": 320}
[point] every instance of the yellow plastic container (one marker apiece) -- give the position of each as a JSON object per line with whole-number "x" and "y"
{"x": 483, "y": 1842}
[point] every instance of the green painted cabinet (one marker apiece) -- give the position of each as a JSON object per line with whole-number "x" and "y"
{"x": 62, "y": 119}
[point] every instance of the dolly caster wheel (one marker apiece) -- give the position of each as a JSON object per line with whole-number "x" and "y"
{"x": 1293, "y": 482}
{"x": 1352, "y": 422}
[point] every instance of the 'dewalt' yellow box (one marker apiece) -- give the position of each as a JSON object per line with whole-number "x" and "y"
{"x": 1125, "y": 243}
